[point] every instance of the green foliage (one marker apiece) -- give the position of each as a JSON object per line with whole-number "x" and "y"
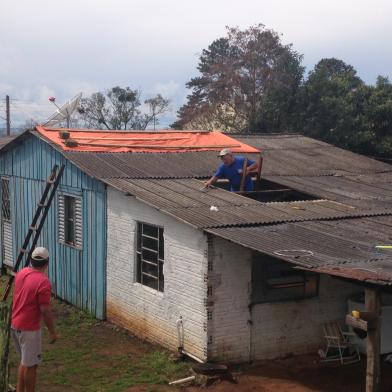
{"x": 328, "y": 101}
{"x": 336, "y": 106}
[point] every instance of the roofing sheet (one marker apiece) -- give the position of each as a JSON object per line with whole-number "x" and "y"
{"x": 300, "y": 155}
{"x": 186, "y": 200}
{"x": 284, "y": 155}
{"x": 6, "y": 139}
{"x": 143, "y": 141}
{"x": 345, "y": 248}
{"x": 128, "y": 165}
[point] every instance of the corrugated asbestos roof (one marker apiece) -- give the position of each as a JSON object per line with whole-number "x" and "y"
{"x": 344, "y": 248}
{"x": 284, "y": 155}
{"x": 6, "y": 139}
{"x": 146, "y": 165}
{"x": 185, "y": 200}
{"x": 334, "y": 236}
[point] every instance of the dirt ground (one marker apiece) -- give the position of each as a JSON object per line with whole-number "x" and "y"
{"x": 297, "y": 374}
{"x": 301, "y": 374}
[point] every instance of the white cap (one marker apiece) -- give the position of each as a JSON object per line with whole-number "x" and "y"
{"x": 224, "y": 152}
{"x": 40, "y": 253}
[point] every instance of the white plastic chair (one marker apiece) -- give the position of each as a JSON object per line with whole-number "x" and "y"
{"x": 340, "y": 347}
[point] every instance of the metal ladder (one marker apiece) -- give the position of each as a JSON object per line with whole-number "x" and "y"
{"x": 38, "y": 222}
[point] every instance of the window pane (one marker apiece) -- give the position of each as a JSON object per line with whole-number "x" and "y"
{"x": 151, "y": 269}
{"x": 274, "y": 280}
{"x": 150, "y": 282}
{"x": 311, "y": 285}
{"x": 149, "y": 256}
{"x": 69, "y": 234}
{"x": 151, "y": 231}
{"x": 69, "y": 219}
{"x": 150, "y": 243}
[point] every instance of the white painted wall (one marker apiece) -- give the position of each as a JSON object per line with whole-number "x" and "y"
{"x": 230, "y": 280}
{"x": 278, "y": 329}
{"x": 145, "y": 312}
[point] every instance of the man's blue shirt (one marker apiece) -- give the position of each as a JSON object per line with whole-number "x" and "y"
{"x": 233, "y": 173}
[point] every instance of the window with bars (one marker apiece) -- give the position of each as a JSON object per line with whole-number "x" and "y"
{"x": 5, "y": 200}
{"x": 70, "y": 220}
{"x": 150, "y": 256}
{"x": 276, "y": 280}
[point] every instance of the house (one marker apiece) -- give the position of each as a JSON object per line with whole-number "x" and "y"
{"x": 134, "y": 239}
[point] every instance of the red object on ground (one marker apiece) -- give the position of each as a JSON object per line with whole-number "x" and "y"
{"x": 32, "y": 289}
{"x": 148, "y": 141}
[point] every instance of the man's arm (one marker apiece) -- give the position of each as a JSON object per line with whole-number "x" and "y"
{"x": 48, "y": 318}
{"x": 252, "y": 167}
{"x": 211, "y": 181}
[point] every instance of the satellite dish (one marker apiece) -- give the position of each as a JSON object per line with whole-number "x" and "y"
{"x": 64, "y": 112}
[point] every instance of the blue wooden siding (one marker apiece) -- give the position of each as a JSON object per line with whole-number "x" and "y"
{"x": 78, "y": 276}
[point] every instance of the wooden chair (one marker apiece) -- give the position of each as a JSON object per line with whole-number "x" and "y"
{"x": 340, "y": 345}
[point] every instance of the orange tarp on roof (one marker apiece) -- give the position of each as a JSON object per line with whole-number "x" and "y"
{"x": 144, "y": 141}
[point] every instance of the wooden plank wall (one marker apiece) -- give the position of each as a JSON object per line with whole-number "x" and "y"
{"x": 78, "y": 276}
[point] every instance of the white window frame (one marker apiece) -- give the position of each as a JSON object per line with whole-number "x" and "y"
{"x": 140, "y": 262}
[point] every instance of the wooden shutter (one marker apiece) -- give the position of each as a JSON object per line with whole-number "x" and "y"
{"x": 78, "y": 223}
{"x": 61, "y": 219}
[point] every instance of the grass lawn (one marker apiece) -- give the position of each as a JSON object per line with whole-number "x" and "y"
{"x": 95, "y": 356}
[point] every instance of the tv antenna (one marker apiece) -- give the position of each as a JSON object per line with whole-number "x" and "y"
{"x": 63, "y": 112}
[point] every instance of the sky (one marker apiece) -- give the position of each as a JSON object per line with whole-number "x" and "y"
{"x": 61, "y": 48}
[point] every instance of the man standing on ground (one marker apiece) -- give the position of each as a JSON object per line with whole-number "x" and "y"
{"x": 231, "y": 168}
{"x": 31, "y": 303}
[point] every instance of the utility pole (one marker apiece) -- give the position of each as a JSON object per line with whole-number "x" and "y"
{"x": 7, "y": 111}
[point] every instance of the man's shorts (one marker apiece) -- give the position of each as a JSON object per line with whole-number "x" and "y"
{"x": 28, "y": 345}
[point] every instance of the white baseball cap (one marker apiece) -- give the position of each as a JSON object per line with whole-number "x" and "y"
{"x": 40, "y": 253}
{"x": 224, "y": 152}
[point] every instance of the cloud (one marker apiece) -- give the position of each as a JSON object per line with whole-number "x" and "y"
{"x": 61, "y": 48}
{"x": 167, "y": 89}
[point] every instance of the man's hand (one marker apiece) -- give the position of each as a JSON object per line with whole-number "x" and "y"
{"x": 210, "y": 182}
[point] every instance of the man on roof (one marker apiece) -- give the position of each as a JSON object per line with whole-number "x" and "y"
{"x": 231, "y": 169}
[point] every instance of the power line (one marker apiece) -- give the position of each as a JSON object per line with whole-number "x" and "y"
{"x": 29, "y": 115}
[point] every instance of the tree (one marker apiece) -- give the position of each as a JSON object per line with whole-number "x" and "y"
{"x": 248, "y": 81}
{"x": 119, "y": 108}
{"x": 157, "y": 106}
{"x": 378, "y": 119}
{"x": 330, "y": 103}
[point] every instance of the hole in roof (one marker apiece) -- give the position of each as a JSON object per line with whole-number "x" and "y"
{"x": 270, "y": 191}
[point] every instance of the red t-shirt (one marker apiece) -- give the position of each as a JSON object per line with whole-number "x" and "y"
{"x": 32, "y": 289}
